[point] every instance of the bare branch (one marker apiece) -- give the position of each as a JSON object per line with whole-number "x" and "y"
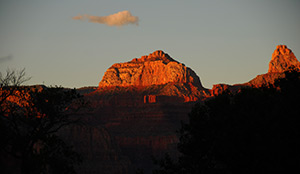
{"x": 13, "y": 78}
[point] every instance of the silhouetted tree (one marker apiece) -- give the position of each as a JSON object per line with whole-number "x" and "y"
{"x": 9, "y": 82}
{"x": 253, "y": 131}
{"x": 30, "y": 118}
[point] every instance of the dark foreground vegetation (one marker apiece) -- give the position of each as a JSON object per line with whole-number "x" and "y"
{"x": 253, "y": 131}
{"x": 30, "y": 118}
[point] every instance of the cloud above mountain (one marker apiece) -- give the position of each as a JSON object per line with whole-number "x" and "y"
{"x": 118, "y": 19}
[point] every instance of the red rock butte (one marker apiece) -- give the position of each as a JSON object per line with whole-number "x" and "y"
{"x": 157, "y": 68}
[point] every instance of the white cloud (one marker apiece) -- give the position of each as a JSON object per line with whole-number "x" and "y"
{"x": 118, "y": 19}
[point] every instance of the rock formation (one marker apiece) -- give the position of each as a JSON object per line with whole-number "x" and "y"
{"x": 220, "y": 88}
{"x": 283, "y": 59}
{"x": 141, "y": 103}
{"x": 151, "y": 76}
{"x": 157, "y": 68}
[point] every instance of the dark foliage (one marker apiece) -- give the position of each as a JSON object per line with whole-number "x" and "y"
{"x": 253, "y": 131}
{"x": 28, "y": 129}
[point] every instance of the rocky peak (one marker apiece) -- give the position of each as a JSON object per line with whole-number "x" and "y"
{"x": 157, "y": 68}
{"x": 156, "y": 55}
{"x": 282, "y": 60}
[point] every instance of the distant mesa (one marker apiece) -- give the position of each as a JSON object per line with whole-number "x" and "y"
{"x": 158, "y": 68}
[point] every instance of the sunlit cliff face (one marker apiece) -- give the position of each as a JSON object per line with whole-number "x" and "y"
{"x": 156, "y": 76}
{"x": 157, "y": 68}
{"x": 282, "y": 60}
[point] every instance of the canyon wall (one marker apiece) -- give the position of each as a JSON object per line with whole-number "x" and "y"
{"x": 142, "y": 102}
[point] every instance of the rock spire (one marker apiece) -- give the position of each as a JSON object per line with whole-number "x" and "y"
{"x": 282, "y": 60}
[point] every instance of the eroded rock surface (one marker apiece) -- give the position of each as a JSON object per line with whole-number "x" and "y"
{"x": 283, "y": 59}
{"x": 157, "y": 68}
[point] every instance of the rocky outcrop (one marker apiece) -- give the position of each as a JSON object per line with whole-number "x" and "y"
{"x": 283, "y": 59}
{"x": 266, "y": 80}
{"x": 219, "y": 89}
{"x": 157, "y": 68}
{"x": 153, "y": 77}
{"x": 175, "y": 79}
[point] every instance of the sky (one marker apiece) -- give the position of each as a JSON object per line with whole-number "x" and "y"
{"x": 73, "y": 42}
